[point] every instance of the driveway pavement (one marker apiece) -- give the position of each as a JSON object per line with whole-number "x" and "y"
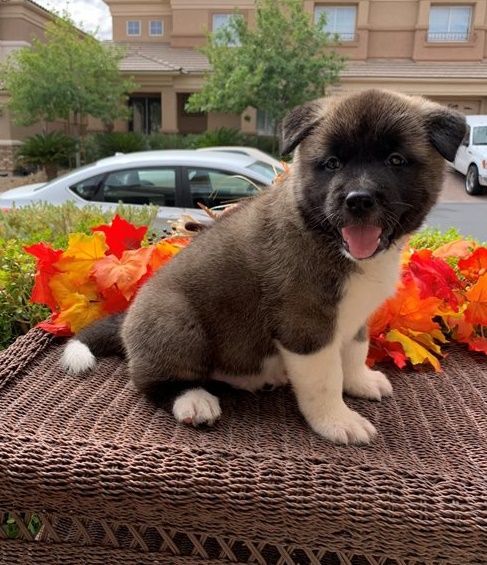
{"x": 457, "y": 209}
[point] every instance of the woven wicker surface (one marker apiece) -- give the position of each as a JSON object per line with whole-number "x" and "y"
{"x": 94, "y": 448}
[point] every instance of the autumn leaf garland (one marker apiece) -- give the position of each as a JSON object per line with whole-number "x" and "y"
{"x": 434, "y": 303}
{"x": 99, "y": 274}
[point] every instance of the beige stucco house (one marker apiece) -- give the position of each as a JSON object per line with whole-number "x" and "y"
{"x": 20, "y": 21}
{"x": 437, "y": 48}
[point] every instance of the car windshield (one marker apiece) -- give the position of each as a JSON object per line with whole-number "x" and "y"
{"x": 265, "y": 169}
{"x": 480, "y": 135}
{"x": 65, "y": 176}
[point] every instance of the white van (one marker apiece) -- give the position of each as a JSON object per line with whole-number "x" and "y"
{"x": 471, "y": 157}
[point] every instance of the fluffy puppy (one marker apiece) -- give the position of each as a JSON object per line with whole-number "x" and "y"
{"x": 282, "y": 287}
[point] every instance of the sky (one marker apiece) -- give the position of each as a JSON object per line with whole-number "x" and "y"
{"x": 91, "y": 15}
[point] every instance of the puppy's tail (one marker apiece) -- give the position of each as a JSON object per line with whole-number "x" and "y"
{"x": 99, "y": 339}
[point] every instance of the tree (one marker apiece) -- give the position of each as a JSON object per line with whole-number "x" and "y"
{"x": 281, "y": 62}
{"x": 68, "y": 77}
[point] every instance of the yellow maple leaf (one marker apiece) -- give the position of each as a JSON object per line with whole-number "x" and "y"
{"x": 415, "y": 352}
{"x": 428, "y": 340}
{"x": 80, "y": 312}
{"x": 82, "y": 252}
{"x": 79, "y": 304}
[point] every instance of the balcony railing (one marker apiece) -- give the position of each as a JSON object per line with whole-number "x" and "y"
{"x": 447, "y": 36}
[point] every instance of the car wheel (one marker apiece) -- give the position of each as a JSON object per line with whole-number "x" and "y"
{"x": 472, "y": 185}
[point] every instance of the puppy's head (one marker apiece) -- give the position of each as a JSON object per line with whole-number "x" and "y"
{"x": 369, "y": 166}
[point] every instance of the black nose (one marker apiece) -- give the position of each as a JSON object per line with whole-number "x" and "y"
{"x": 360, "y": 202}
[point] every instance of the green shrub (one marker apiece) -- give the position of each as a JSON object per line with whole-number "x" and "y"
{"x": 17, "y": 314}
{"x": 47, "y": 150}
{"x": 107, "y": 144}
{"x": 100, "y": 145}
{"x": 170, "y": 141}
{"x": 221, "y": 136}
{"x": 52, "y": 224}
{"x": 431, "y": 238}
{"x": 265, "y": 143}
{"x": 20, "y": 227}
{"x": 11, "y": 529}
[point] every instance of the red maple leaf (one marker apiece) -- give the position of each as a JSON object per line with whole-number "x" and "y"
{"x": 55, "y": 327}
{"x": 122, "y": 235}
{"x": 475, "y": 265}
{"x": 113, "y": 300}
{"x": 380, "y": 348}
{"x": 433, "y": 277}
{"x": 478, "y": 344}
{"x": 46, "y": 258}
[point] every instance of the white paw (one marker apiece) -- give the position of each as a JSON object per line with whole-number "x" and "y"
{"x": 197, "y": 407}
{"x": 77, "y": 357}
{"x": 370, "y": 384}
{"x": 342, "y": 425}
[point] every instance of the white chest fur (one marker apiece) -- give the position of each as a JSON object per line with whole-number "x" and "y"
{"x": 366, "y": 290}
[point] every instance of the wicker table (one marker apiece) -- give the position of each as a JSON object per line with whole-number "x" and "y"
{"x": 113, "y": 479}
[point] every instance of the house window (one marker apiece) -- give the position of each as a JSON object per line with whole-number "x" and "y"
{"x": 221, "y": 21}
{"x": 340, "y": 20}
{"x": 156, "y": 27}
{"x": 265, "y": 125}
{"x": 133, "y": 27}
{"x": 449, "y": 23}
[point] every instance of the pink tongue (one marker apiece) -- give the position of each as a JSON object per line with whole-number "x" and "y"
{"x": 362, "y": 241}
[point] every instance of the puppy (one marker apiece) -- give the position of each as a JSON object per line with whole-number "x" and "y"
{"x": 282, "y": 287}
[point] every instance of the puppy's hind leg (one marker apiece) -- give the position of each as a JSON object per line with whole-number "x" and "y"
{"x": 168, "y": 358}
{"x": 358, "y": 379}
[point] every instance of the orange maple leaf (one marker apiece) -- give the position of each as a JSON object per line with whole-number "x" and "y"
{"x": 125, "y": 272}
{"x": 461, "y": 329}
{"x": 408, "y": 311}
{"x": 380, "y": 320}
{"x": 163, "y": 252}
{"x": 82, "y": 253}
{"x": 476, "y": 312}
{"x": 460, "y": 248}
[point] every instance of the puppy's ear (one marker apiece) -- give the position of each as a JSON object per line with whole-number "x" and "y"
{"x": 446, "y": 129}
{"x": 298, "y": 124}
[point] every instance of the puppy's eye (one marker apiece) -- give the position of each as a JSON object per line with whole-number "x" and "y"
{"x": 331, "y": 164}
{"x": 396, "y": 160}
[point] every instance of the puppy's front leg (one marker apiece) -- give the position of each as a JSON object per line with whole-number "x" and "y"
{"x": 317, "y": 379}
{"x": 358, "y": 379}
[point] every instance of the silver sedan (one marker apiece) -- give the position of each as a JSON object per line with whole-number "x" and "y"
{"x": 175, "y": 181}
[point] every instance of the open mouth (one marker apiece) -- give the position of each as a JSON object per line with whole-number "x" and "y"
{"x": 364, "y": 240}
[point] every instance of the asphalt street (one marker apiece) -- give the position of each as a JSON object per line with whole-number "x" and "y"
{"x": 457, "y": 209}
